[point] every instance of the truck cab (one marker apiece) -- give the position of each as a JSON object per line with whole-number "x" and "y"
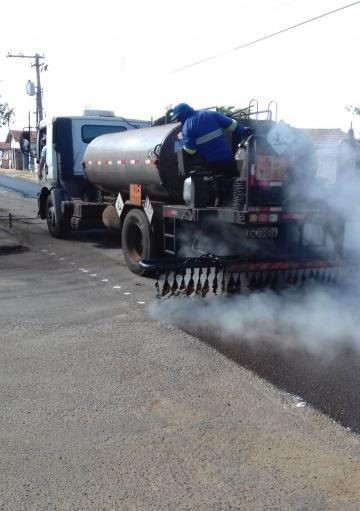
{"x": 64, "y": 184}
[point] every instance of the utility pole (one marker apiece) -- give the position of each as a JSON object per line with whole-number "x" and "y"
{"x": 37, "y": 64}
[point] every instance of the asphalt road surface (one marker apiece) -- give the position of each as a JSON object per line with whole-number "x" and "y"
{"x": 25, "y": 187}
{"x": 103, "y": 407}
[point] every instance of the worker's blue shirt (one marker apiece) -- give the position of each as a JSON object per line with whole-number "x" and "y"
{"x": 203, "y": 133}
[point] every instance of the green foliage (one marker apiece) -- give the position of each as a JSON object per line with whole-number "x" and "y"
{"x": 6, "y": 114}
{"x": 353, "y": 109}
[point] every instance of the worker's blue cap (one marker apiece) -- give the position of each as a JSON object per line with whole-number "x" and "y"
{"x": 180, "y": 112}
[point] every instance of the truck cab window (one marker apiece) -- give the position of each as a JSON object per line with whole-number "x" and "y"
{"x": 91, "y": 131}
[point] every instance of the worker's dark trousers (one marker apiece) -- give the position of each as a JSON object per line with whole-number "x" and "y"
{"x": 223, "y": 172}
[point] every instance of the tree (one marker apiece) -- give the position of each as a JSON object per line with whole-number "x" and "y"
{"x": 6, "y": 114}
{"x": 353, "y": 109}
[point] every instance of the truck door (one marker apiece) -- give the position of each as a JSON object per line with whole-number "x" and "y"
{"x": 50, "y": 168}
{"x": 49, "y": 172}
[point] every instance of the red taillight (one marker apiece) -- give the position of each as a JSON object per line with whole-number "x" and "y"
{"x": 263, "y": 217}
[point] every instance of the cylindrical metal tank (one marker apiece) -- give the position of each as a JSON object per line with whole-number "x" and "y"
{"x": 145, "y": 156}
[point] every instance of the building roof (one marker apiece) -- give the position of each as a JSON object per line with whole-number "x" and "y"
{"x": 15, "y": 134}
{"x": 322, "y": 136}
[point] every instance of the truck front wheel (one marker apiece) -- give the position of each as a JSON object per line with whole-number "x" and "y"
{"x": 138, "y": 240}
{"x": 56, "y": 229}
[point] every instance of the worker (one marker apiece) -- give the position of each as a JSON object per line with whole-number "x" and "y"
{"x": 203, "y": 135}
{"x": 42, "y": 157}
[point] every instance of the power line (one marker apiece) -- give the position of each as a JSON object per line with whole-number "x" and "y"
{"x": 263, "y": 38}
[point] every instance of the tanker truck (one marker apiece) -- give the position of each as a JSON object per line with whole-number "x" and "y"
{"x": 270, "y": 229}
{"x": 275, "y": 224}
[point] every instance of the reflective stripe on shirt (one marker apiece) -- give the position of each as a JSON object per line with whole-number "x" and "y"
{"x": 189, "y": 151}
{"x": 209, "y": 136}
{"x": 232, "y": 126}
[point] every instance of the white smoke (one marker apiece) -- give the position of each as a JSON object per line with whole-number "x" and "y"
{"x": 317, "y": 318}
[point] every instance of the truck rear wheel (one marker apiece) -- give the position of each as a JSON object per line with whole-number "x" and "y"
{"x": 56, "y": 229}
{"x": 138, "y": 240}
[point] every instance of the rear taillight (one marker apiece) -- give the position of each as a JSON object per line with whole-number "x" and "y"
{"x": 263, "y": 218}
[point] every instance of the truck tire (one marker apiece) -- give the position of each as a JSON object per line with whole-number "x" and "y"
{"x": 138, "y": 240}
{"x": 56, "y": 229}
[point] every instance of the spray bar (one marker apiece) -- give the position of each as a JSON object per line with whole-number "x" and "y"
{"x": 195, "y": 276}
{"x": 235, "y": 265}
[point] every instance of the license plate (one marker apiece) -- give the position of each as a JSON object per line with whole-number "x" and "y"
{"x": 262, "y": 232}
{"x": 270, "y": 168}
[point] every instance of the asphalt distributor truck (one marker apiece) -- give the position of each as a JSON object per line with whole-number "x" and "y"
{"x": 274, "y": 227}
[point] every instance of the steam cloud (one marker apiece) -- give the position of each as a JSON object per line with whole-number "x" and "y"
{"x": 319, "y": 319}
{"x": 314, "y": 318}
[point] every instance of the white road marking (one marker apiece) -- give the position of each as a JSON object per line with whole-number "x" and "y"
{"x": 83, "y": 270}
{"x": 141, "y": 303}
{"x": 44, "y": 250}
{"x": 52, "y": 253}
{"x": 104, "y": 280}
{"x": 127, "y": 293}
{"x": 61, "y": 258}
{"x": 93, "y": 274}
{"x": 299, "y": 402}
{"x": 116, "y": 287}
{"x": 72, "y": 264}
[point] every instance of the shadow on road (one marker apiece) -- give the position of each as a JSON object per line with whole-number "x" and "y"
{"x": 100, "y": 238}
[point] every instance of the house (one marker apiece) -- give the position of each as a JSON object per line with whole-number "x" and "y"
{"x": 12, "y": 157}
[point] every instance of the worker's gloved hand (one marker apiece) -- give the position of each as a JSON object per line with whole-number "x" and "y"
{"x": 241, "y": 133}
